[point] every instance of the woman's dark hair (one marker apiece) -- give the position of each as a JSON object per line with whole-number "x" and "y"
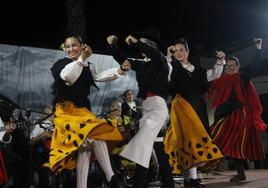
{"x": 125, "y": 92}
{"x": 182, "y": 41}
{"x": 5, "y": 111}
{"x": 77, "y": 36}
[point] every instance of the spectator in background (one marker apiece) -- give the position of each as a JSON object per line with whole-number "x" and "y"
{"x": 131, "y": 108}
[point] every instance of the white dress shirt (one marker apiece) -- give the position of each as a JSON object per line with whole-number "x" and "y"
{"x": 216, "y": 72}
{"x": 132, "y": 105}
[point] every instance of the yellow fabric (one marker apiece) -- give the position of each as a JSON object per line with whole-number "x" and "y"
{"x": 113, "y": 145}
{"x": 187, "y": 142}
{"x": 72, "y": 126}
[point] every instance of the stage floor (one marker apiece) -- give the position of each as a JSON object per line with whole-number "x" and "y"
{"x": 255, "y": 179}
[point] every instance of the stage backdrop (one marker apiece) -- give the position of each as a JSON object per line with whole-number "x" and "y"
{"x": 26, "y": 79}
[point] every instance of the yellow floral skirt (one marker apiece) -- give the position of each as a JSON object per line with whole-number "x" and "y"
{"x": 186, "y": 142}
{"x": 72, "y": 126}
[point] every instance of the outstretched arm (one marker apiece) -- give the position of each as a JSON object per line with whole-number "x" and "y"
{"x": 252, "y": 69}
{"x": 106, "y": 75}
{"x": 217, "y": 70}
{"x": 71, "y": 72}
{"x": 126, "y": 63}
{"x": 117, "y": 54}
{"x": 152, "y": 53}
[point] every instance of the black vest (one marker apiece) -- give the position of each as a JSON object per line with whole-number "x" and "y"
{"x": 76, "y": 93}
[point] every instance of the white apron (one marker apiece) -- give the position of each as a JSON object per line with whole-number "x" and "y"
{"x": 154, "y": 115}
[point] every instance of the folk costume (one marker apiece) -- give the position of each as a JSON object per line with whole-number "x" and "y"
{"x": 152, "y": 77}
{"x": 237, "y": 120}
{"x": 77, "y": 130}
{"x": 187, "y": 140}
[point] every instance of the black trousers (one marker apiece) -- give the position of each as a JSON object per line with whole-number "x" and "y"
{"x": 165, "y": 171}
{"x": 239, "y": 166}
{"x": 141, "y": 179}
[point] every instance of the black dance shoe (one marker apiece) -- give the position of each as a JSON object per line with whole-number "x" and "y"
{"x": 114, "y": 183}
{"x": 193, "y": 183}
{"x": 238, "y": 178}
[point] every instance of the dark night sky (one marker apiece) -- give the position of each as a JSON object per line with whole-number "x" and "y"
{"x": 207, "y": 23}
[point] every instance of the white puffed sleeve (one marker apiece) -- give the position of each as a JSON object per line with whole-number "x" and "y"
{"x": 72, "y": 71}
{"x": 216, "y": 72}
{"x": 106, "y": 75}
